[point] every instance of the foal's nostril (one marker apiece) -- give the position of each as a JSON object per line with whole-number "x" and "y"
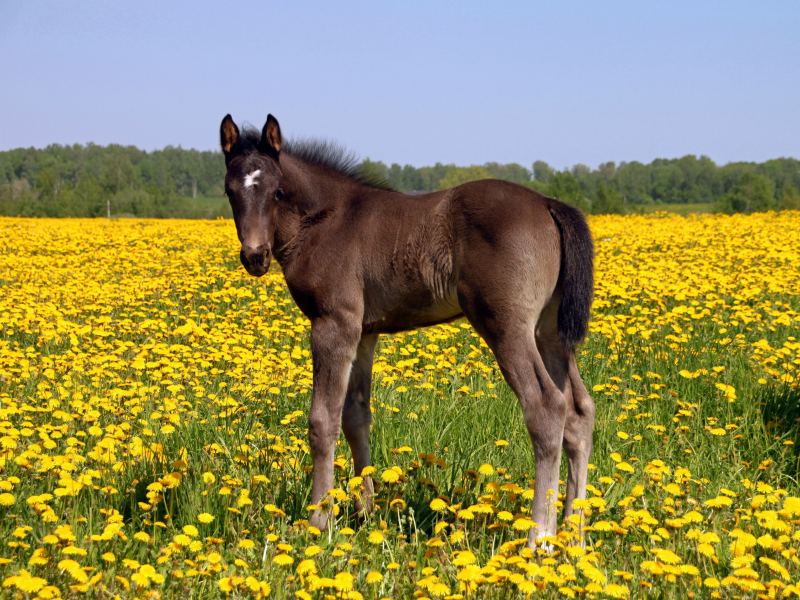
{"x": 254, "y": 259}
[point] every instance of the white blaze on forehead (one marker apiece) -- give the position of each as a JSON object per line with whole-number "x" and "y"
{"x": 250, "y": 180}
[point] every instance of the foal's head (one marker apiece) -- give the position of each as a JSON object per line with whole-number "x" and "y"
{"x": 253, "y": 187}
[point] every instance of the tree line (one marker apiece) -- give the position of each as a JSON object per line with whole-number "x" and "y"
{"x": 743, "y": 187}
{"x": 88, "y": 180}
{"x": 84, "y": 181}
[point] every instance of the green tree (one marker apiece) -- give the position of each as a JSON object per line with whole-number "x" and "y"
{"x": 49, "y": 184}
{"x": 460, "y": 175}
{"x": 512, "y": 172}
{"x": 608, "y": 171}
{"x": 118, "y": 173}
{"x": 753, "y": 193}
{"x": 133, "y": 203}
{"x": 89, "y": 197}
{"x": 374, "y": 170}
{"x": 563, "y": 186}
{"x": 542, "y": 172}
{"x": 789, "y": 199}
{"x": 607, "y": 201}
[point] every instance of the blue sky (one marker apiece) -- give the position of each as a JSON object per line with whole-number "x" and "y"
{"x": 411, "y": 82}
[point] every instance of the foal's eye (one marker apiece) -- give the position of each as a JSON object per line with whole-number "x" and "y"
{"x": 279, "y": 194}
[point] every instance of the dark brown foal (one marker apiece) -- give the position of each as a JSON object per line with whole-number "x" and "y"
{"x": 361, "y": 260}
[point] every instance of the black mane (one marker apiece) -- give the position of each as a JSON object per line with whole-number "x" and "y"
{"x": 325, "y": 153}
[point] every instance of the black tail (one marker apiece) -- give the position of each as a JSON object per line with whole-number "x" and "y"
{"x": 577, "y": 274}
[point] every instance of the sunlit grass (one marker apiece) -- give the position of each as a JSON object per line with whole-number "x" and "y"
{"x": 154, "y": 412}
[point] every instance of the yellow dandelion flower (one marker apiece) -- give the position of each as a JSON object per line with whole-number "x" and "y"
{"x": 469, "y": 573}
{"x": 306, "y": 566}
{"x": 205, "y": 518}
{"x": 666, "y": 556}
{"x": 374, "y": 577}
{"x": 463, "y": 558}
{"x": 283, "y": 560}
{"x": 390, "y": 476}
{"x": 706, "y": 550}
{"x": 376, "y": 537}
{"x": 438, "y": 504}
{"x": 225, "y": 585}
{"x": 718, "y": 502}
{"x": 457, "y": 536}
{"x": 615, "y": 590}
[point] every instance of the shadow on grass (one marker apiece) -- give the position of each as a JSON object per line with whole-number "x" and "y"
{"x": 780, "y": 410}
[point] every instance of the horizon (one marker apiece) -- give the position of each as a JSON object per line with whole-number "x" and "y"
{"x": 528, "y": 165}
{"x": 457, "y": 83}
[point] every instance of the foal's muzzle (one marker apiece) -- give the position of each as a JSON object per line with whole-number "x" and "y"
{"x": 256, "y": 260}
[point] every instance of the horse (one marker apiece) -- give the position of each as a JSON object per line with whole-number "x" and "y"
{"x": 361, "y": 260}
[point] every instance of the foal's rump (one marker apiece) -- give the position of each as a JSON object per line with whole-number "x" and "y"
{"x": 509, "y": 247}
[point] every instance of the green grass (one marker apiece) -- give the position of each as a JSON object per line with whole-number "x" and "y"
{"x": 680, "y": 209}
{"x": 209, "y": 208}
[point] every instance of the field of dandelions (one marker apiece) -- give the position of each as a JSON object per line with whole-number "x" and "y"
{"x": 153, "y": 422}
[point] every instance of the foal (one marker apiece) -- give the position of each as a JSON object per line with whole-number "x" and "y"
{"x": 361, "y": 260}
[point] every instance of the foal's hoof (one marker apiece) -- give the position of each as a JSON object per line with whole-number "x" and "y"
{"x": 548, "y": 548}
{"x": 319, "y": 520}
{"x": 540, "y": 542}
{"x": 363, "y": 509}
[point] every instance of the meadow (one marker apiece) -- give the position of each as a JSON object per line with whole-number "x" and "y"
{"x": 153, "y": 420}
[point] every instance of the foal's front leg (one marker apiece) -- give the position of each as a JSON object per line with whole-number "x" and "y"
{"x": 333, "y": 348}
{"x": 357, "y": 416}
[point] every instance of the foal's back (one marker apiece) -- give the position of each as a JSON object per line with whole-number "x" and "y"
{"x": 414, "y": 250}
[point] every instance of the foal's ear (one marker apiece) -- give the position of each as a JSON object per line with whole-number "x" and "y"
{"x": 228, "y": 134}
{"x": 271, "y": 138}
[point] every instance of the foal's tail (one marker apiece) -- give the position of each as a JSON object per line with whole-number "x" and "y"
{"x": 577, "y": 274}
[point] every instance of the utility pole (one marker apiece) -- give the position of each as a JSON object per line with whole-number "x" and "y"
{"x": 194, "y": 188}
{"x": 108, "y": 208}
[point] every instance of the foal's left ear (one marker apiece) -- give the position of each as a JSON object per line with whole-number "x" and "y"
{"x": 271, "y": 138}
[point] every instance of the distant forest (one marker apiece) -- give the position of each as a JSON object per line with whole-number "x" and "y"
{"x": 86, "y": 181}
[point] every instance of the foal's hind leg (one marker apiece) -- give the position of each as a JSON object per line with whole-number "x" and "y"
{"x": 578, "y": 437}
{"x": 544, "y": 411}
{"x": 580, "y": 409}
{"x": 511, "y": 337}
{"x": 357, "y": 416}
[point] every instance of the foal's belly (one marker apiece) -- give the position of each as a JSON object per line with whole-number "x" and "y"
{"x": 413, "y": 314}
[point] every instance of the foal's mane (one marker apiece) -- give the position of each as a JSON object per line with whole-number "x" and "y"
{"x": 324, "y": 153}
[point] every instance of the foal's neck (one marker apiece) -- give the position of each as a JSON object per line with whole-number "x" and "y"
{"x": 314, "y": 188}
{"x": 310, "y": 190}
